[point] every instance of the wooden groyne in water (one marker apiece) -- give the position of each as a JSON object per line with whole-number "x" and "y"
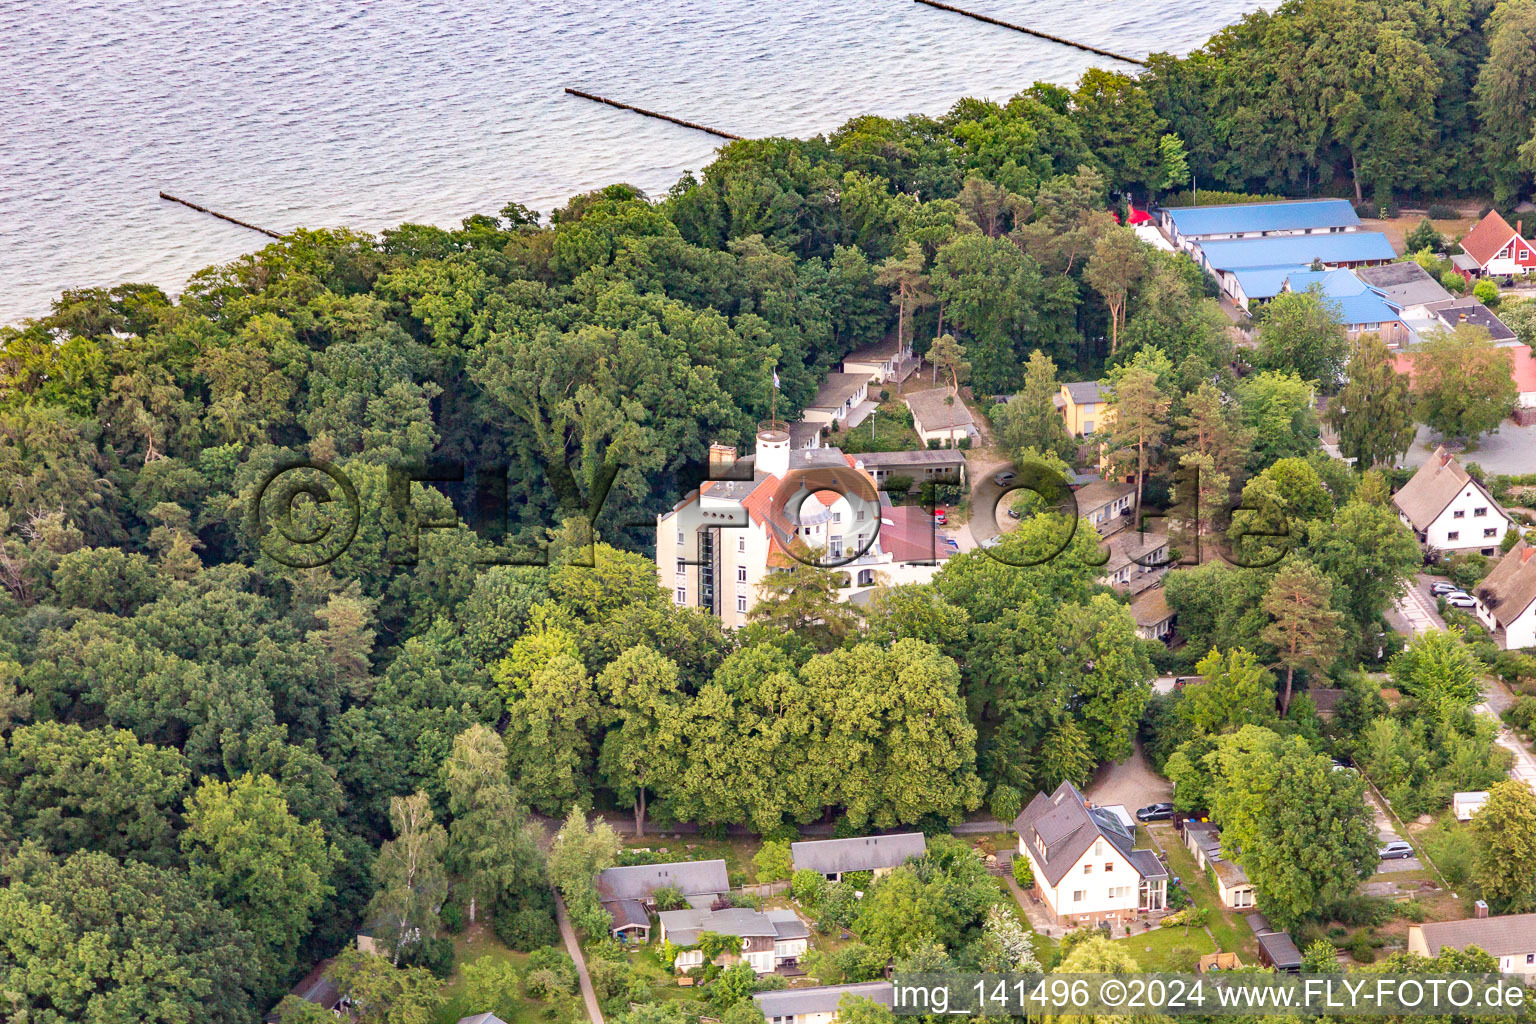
{"x": 221, "y": 216}
{"x": 651, "y": 113}
{"x": 1033, "y": 32}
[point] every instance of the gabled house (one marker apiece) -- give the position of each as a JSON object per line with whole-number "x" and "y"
{"x": 1506, "y": 599}
{"x": 884, "y": 362}
{"x": 834, "y": 858}
{"x": 1407, "y": 286}
{"x": 837, "y": 398}
{"x": 818, "y": 1005}
{"x": 1154, "y": 617}
{"x": 1448, "y": 510}
{"x": 927, "y": 465}
{"x": 1494, "y": 249}
{"x": 1510, "y": 938}
{"x": 1188, "y": 226}
{"x": 1107, "y": 505}
{"x": 316, "y": 988}
{"x": 1085, "y": 863}
{"x": 1137, "y": 560}
{"x": 937, "y": 419}
{"x": 1082, "y": 406}
{"x": 770, "y": 939}
{"x": 629, "y": 893}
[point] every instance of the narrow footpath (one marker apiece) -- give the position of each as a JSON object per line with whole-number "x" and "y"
{"x": 588, "y": 993}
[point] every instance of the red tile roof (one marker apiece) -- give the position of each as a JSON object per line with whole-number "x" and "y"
{"x": 1490, "y": 235}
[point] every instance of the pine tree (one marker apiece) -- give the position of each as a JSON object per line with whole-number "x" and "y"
{"x": 1305, "y": 631}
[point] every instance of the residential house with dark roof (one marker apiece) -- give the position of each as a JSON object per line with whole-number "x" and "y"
{"x": 1407, "y": 286}
{"x": 1082, "y": 406}
{"x": 482, "y": 1018}
{"x": 1472, "y": 312}
{"x": 818, "y": 1005}
{"x": 1361, "y": 308}
{"x": 770, "y": 940}
{"x": 1448, "y": 510}
{"x": 316, "y": 988}
{"x": 1494, "y": 249}
{"x": 834, "y": 858}
{"x": 629, "y": 893}
{"x": 1085, "y": 863}
{"x": 1511, "y": 938}
{"x": 1506, "y": 599}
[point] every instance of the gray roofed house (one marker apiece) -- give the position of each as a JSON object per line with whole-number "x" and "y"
{"x": 1470, "y": 311}
{"x": 629, "y": 916}
{"x": 1105, "y": 504}
{"x": 482, "y": 1018}
{"x": 1511, "y": 938}
{"x": 1407, "y": 285}
{"x": 805, "y": 435}
{"x": 934, "y": 417}
{"x": 1137, "y": 560}
{"x": 640, "y": 881}
{"x": 922, "y": 465}
{"x": 1061, "y": 827}
{"x": 837, "y": 397}
{"x": 1083, "y": 391}
{"x": 771, "y": 939}
{"x": 814, "y": 1005}
{"x": 836, "y": 857}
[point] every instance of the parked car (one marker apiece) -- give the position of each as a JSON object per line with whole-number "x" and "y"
{"x": 992, "y": 542}
{"x": 1460, "y": 600}
{"x": 1155, "y": 812}
{"x": 940, "y": 516}
{"x": 1004, "y": 478}
{"x": 1013, "y": 513}
{"x": 1440, "y": 588}
{"x": 1396, "y": 850}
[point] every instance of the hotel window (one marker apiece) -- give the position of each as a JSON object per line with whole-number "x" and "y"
{"x": 859, "y": 515}
{"x": 741, "y": 544}
{"x": 835, "y": 547}
{"x": 1480, "y": 511}
{"x": 682, "y": 595}
{"x": 741, "y": 574}
{"x": 1459, "y": 514}
{"x": 1491, "y": 532}
{"x": 682, "y": 566}
{"x": 741, "y": 603}
{"x": 1453, "y": 535}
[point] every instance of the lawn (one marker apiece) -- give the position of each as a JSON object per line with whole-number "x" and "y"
{"x": 1154, "y": 950}
{"x": 480, "y": 941}
{"x": 888, "y": 429}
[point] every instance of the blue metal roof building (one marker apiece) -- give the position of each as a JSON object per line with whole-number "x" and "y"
{"x": 1258, "y": 283}
{"x": 1360, "y": 305}
{"x": 1246, "y": 218}
{"x": 1294, "y": 250}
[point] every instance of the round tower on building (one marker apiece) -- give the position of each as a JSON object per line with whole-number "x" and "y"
{"x": 772, "y": 448}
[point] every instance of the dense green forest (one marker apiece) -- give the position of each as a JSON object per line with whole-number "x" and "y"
{"x": 211, "y": 760}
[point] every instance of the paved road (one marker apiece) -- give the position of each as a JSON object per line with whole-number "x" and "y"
{"x": 588, "y": 993}
{"x": 1415, "y": 612}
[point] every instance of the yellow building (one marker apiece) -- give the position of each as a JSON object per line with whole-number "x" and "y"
{"x": 1082, "y": 407}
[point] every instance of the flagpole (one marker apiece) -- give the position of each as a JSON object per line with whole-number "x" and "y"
{"x": 773, "y": 408}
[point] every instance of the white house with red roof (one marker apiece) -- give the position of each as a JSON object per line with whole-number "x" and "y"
{"x": 762, "y": 513}
{"x": 1494, "y": 249}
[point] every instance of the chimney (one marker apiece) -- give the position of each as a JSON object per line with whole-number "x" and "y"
{"x": 1445, "y": 458}
{"x": 721, "y": 458}
{"x": 1480, "y": 909}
